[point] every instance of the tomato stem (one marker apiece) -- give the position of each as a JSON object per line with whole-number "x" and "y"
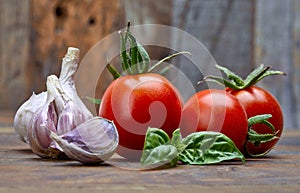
{"x": 167, "y": 58}
{"x": 235, "y": 82}
{"x": 256, "y": 138}
{"x": 135, "y": 59}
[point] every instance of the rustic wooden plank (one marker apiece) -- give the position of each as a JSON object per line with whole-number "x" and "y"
{"x": 14, "y": 52}
{"x": 225, "y": 28}
{"x": 150, "y": 12}
{"x": 274, "y": 25}
{"x": 35, "y": 35}
{"x": 59, "y": 24}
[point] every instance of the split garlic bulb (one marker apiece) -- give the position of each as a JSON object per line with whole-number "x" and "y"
{"x": 24, "y": 115}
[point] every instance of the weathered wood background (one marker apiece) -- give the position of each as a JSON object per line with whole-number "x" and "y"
{"x": 240, "y": 34}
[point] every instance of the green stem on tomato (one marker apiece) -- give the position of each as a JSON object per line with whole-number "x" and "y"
{"x": 123, "y": 53}
{"x": 135, "y": 59}
{"x": 167, "y": 58}
{"x": 114, "y": 72}
{"x": 235, "y": 82}
{"x": 256, "y": 138}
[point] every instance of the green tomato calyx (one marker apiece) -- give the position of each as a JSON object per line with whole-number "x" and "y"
{"x": 235, "y": 82}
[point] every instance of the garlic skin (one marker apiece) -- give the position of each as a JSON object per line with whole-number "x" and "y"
{"x": 23, "y": 116}
{"x": 92, "y": 142}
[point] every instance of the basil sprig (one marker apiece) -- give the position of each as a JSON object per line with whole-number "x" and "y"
{"x": 197, "y": 148}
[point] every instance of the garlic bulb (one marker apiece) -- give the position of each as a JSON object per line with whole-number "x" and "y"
{"x": 93, "y": 141}
{"x": 57, "y": 123}
{"x": 22, "y": 119}
{"x": 24, "y": 115}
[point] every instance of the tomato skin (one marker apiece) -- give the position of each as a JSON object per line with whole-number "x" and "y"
{"x": 136, "y": 102}
{"x": 258, "y": 101}
{"x": 215, "y": 110}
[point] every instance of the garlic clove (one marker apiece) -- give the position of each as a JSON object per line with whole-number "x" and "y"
{"x": 70, "y": 114}
{"x": 69, "y": 118}
{"x": 93, "y": 141}
{"x": 23, "y": 116}
{"x": 43, "y": 121}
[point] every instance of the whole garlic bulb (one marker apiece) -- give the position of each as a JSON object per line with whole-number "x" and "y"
{"x": 24, "y": 115}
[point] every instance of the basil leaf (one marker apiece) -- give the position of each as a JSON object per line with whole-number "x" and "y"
{"x": 157, "y": 149}
{"x": 208, "y": 148}
{"x": 176, "y": 141}
{"x": 155, "y": 137}
{"x": 159, "y": 156}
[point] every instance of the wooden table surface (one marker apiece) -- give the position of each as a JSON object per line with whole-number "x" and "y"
{"x": 22, "y": 171}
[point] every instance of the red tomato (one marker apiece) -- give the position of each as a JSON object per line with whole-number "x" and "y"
{"x": 258, "y": 101}
{"x": 136, "y": 102}
{"x": 215, "y": 110}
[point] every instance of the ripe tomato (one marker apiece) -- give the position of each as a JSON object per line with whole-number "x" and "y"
{"x": 258, "y": 101}
{"x": 215, "y": 110}
{"x": 136, "y": 102}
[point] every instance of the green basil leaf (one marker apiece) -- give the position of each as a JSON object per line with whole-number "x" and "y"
{"x": 208, "y": 148}
{"x": 176, "y": 141}
{"x": 155, "y": 137}
{"x": 160, "y": 155}
{"x": 157, "y": 149}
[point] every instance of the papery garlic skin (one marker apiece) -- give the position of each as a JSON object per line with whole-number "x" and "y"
{"x": 92, "y": 142}
{"x": 23, "y": 116}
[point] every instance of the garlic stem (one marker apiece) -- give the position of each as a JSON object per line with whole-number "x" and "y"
{"x": 69, "y": 66}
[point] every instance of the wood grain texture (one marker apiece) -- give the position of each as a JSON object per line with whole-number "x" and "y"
{"x": 224, "y": 27}
{"x": 14, "y": 52}
{"x": 22, "y": 171}
{"x": 35, "y": 35}
{"x": 275, "y": 44}
{"x": 58, "y": 24}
